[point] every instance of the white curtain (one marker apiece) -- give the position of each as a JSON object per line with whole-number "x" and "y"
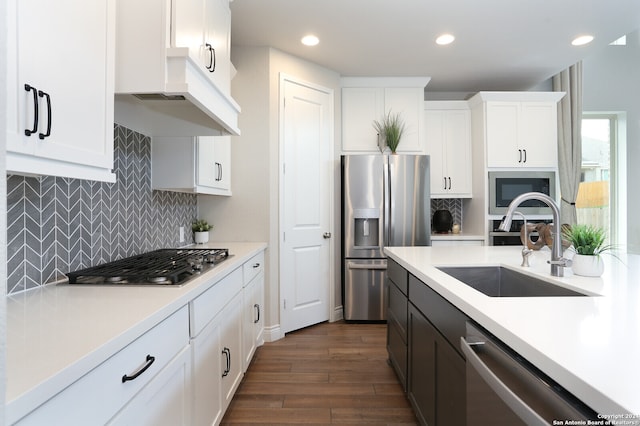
{"x": 569, "y": 139}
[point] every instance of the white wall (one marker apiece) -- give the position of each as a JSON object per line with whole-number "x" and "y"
{"x": 251, "y": 214}
{"x": 612, "y": 84}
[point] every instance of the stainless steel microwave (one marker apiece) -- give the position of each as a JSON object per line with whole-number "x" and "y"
{"x": 504, "y": 186}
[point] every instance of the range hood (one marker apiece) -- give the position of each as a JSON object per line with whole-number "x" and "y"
{"x": 164, "y": 85}
{"x": 180, "y": 101}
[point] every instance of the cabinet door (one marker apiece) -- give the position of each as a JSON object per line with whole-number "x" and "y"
{"x": 360, "y": 107}
{"x": 253, "y": 315}
{"x": 502, "y": 134}
{"x": 217, "y": 38}
{"x": 207, "y": 375}
{"x": 164, "y": 401}
{"x": 188, "y": 27}
{"x": 214, "y": 162}
{"x": 231, "y": 349}
{"x": 451, "y": 387}
{"x": 73, "y": 80}
{"x": 448, "y": 142}
{"x": 539, "y": 134}
{"x": 458, "y": 153}
{"x": 422, "y": 366}
{"x": 435, "y": 136}
{"x": 408, "y": 102}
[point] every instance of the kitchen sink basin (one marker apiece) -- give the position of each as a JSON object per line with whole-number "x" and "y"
{"x": 497, "y": 281}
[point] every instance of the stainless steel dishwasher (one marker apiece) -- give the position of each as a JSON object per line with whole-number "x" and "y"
{"x": 505, "y": 389}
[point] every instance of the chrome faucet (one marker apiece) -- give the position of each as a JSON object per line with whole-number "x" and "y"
{"x": 526, "y": 251}
{"x": 557, "y": 262}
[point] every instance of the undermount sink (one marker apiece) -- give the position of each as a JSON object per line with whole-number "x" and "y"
{"x": 497, "y": 281}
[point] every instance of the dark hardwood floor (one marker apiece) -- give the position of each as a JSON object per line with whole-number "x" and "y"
{"x": 330, "y": 373}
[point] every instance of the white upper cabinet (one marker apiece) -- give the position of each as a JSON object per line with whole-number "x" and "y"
{"x": 204, "y": 27}
{"x": 448, "y": 142}
{"x": 367, "y": 99}
{"x": 60, "y": 86}
{"x": 174, "y": 57}
{"x": 521, "y": 128}
{"x": 199, "y": 165}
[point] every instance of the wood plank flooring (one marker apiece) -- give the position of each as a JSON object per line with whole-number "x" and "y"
{"x": 327, "y": 374}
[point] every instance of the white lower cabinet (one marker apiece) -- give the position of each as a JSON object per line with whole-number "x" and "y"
{"x": 253, "y": 307}
{"x": 217, "y": 348}
{"x": 146, "y": 363}
{"x": 183, "y": 371}
{"x": 164, "y": 401}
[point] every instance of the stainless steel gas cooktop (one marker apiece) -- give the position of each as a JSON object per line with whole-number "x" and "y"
{"x": 159, "y": 267}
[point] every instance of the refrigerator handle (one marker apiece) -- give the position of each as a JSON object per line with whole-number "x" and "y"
{"x": 386, "y": 211}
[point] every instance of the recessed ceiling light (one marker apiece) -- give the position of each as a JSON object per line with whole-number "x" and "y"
{"x": 310, "y": 40}
{"x": 582, "y": 40}
{"x": 445, "y": 39}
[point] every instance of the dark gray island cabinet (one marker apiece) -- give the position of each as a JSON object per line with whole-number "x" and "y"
{"x": 422, "y": 341}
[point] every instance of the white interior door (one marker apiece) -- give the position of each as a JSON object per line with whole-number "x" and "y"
{"x": 305, "y": 277}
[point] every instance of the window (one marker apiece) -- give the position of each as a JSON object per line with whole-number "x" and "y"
{"x": 600, "y": 199}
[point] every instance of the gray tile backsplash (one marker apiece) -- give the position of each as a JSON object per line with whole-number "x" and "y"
{"x": 56, "y": 225}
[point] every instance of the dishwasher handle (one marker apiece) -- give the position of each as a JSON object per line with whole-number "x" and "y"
{"x": 517, "y": 405}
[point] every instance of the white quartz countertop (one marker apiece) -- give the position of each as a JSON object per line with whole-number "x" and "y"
{"x": 59, "y": 332}
{"x": 589, "y": 345}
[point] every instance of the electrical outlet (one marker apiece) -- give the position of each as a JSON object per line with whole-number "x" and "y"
{"x": 182, "y": 234}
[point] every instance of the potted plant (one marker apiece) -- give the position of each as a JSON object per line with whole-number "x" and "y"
{"x": 200, "y": 229}
{"x": 390, "y": 129}
{"x": 588, "y": 242}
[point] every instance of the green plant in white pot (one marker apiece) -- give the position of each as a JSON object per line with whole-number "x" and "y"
{"x": 200, "y": 229}
{"x": 390, "y": 129}
{"x": 588, "y": 242}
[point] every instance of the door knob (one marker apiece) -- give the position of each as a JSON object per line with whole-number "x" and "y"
{"x": 326, "y": 235}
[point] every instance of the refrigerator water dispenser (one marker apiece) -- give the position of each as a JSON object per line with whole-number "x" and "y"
{"x": 366, "y": 228}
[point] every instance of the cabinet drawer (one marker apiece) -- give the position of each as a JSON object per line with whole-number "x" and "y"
{"x": 398, "y": 275}
{"x": 98, "y": 395}
{"x": 206, "y": 306}
{"x": 448, "y": 319}
{"x": 397, "y": 310}
{"x": 253, "y": 267}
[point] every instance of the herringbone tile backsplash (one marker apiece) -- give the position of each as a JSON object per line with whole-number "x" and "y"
{"x": 56, "y": 225}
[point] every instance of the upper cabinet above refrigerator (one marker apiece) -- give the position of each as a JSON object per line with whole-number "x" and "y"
{"x": 365, "y": 99}
{"x": 173, "y": 68}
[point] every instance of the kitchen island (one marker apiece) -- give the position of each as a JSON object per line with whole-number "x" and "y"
{"x": 590, "y": 345}
{"x": 60, "y": 333}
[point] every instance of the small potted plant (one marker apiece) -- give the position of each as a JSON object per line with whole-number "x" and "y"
{"x": 390, "y": 129}
{"x": 200, "y": 229}
{"x": 588, "y": 243}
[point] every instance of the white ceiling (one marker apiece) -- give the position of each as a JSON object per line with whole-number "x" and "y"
{"x": 500, "y": 44}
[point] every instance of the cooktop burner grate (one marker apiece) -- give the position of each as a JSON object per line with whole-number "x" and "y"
{"x": 159, "y": 267}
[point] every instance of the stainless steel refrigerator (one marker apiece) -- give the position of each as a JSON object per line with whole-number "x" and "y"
{"x": 385, "y": 202}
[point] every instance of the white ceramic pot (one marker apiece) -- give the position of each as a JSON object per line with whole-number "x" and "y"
{"x": 201, "y": 237}
{"x": 587, "y": 266}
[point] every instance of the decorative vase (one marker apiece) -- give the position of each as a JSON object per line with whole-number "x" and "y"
{"x": 587, "y": 266}
{"x": 442, "y": 221}
{"x": 201, "y": 237}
